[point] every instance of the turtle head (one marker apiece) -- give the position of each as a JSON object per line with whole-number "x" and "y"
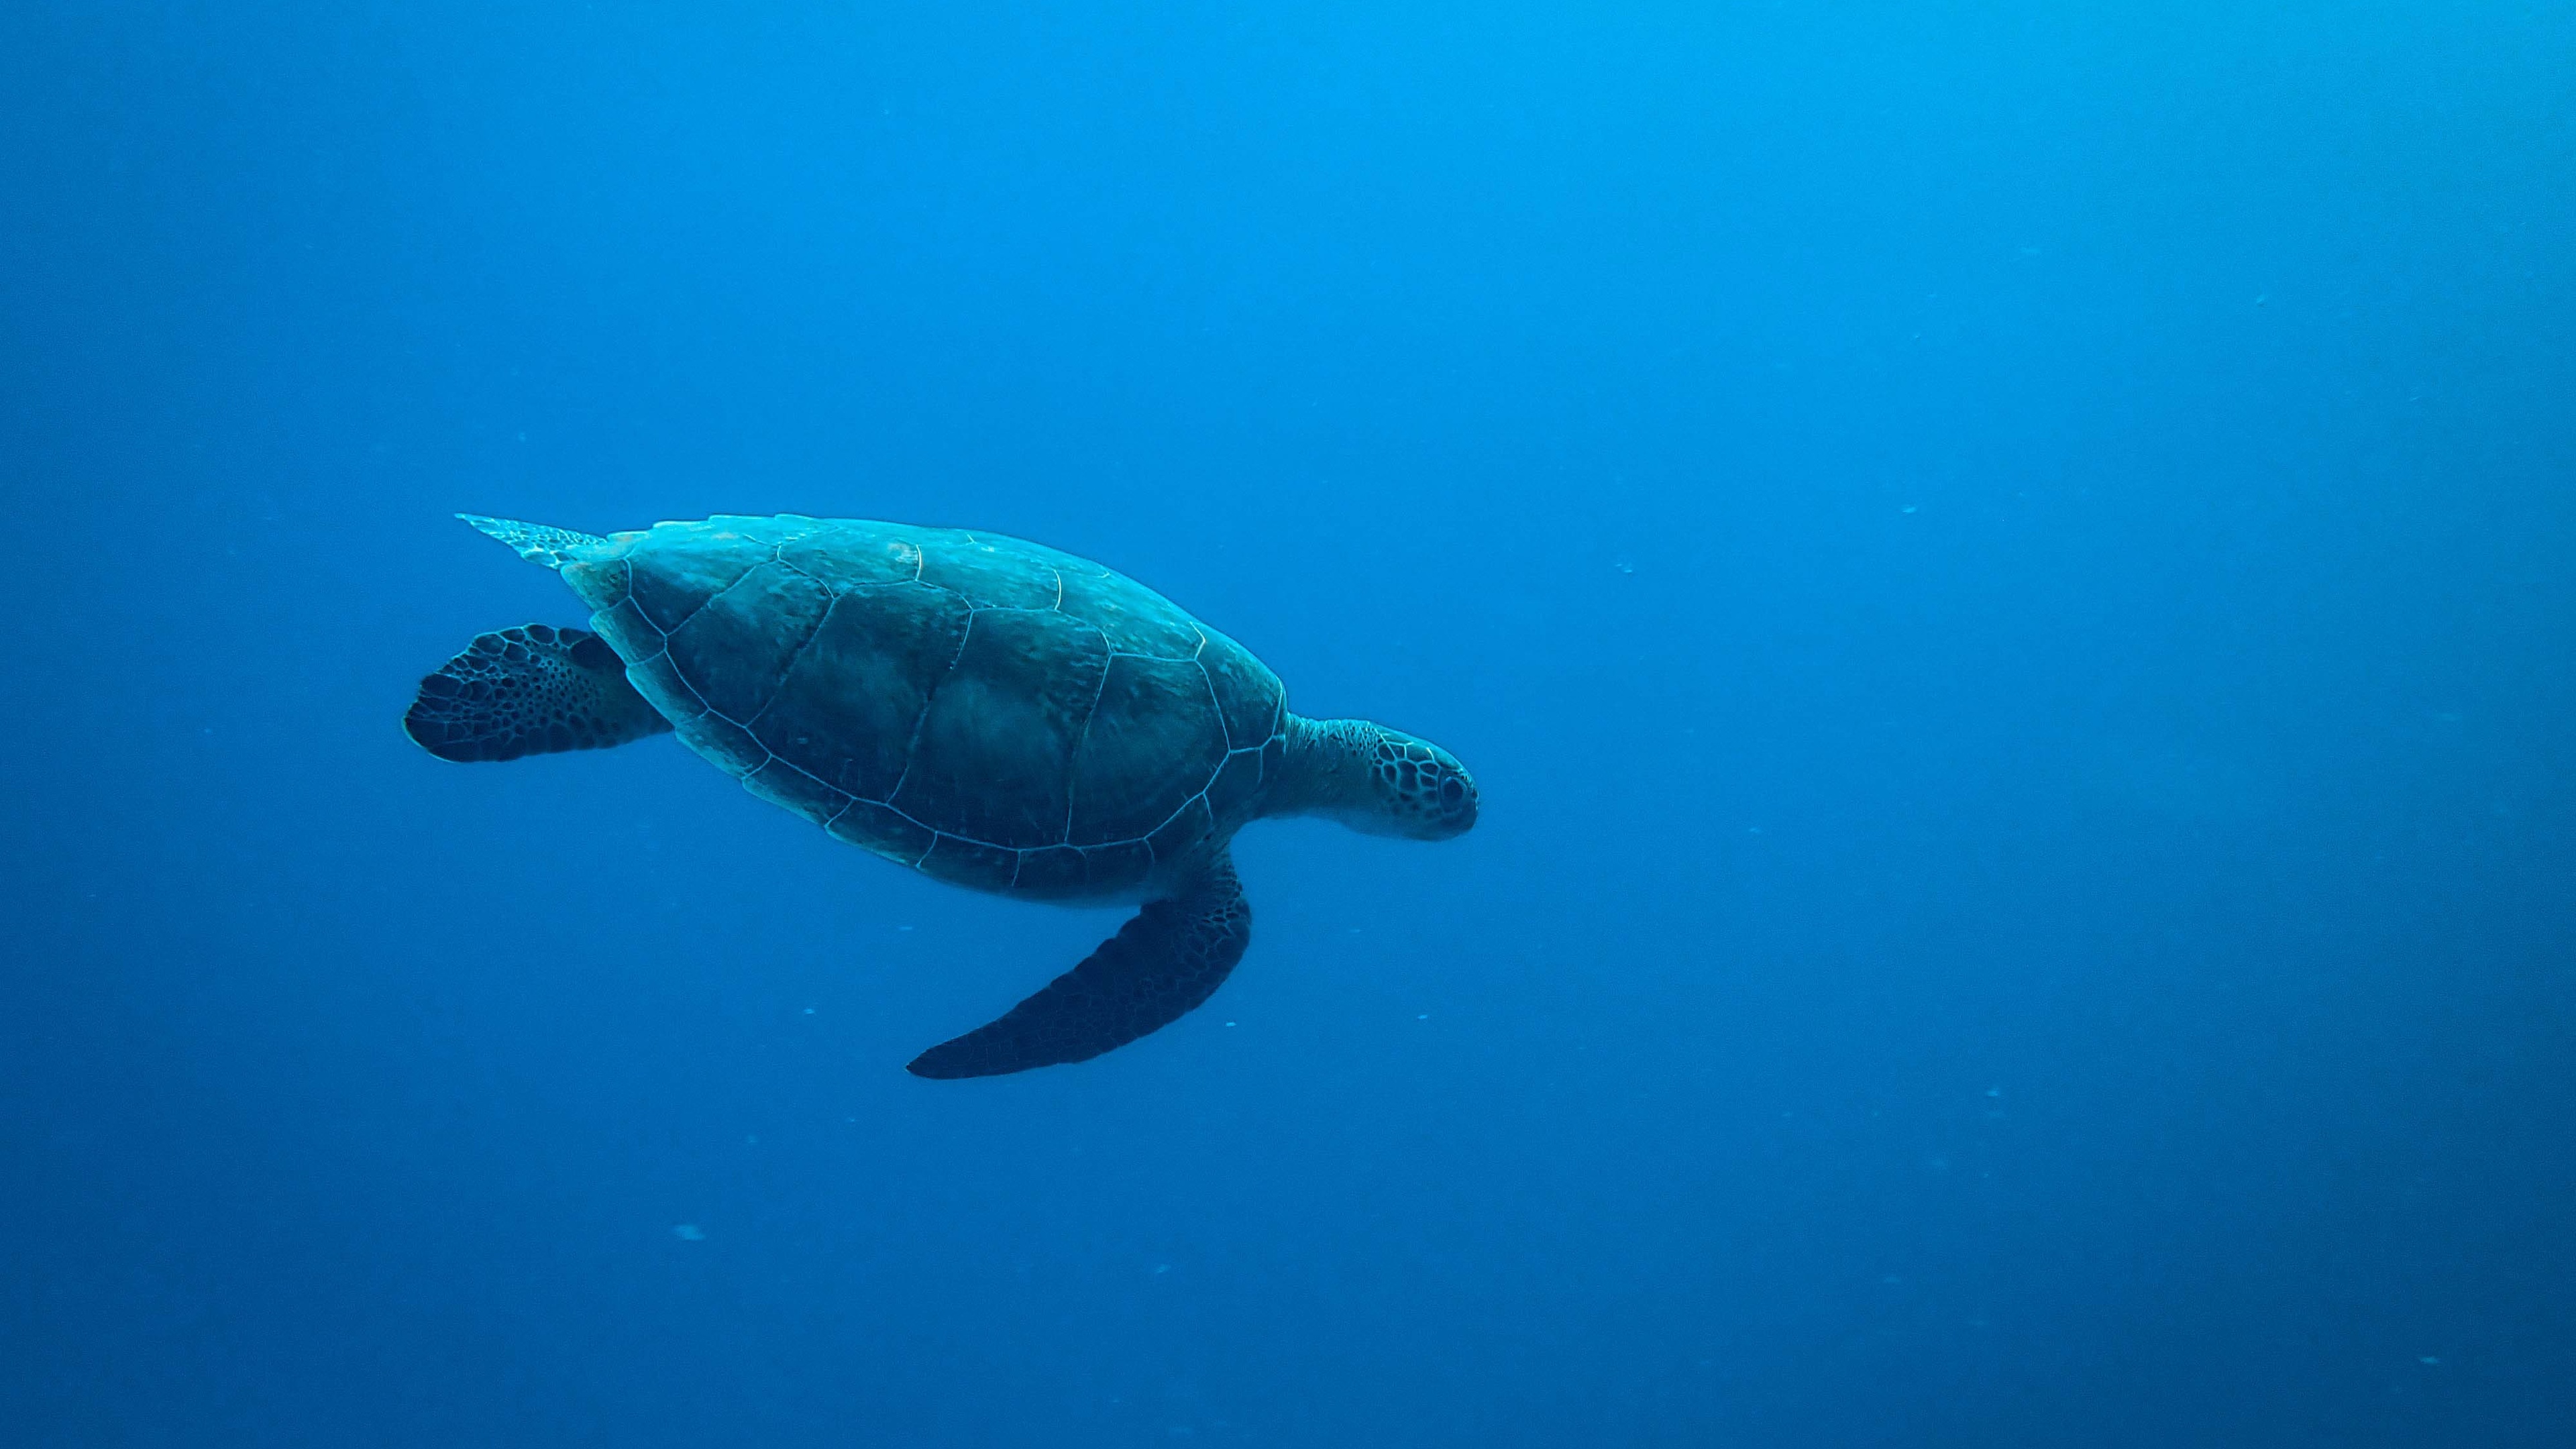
{"x": 1377, "y": 780}
{"x": 1422, "y": 792}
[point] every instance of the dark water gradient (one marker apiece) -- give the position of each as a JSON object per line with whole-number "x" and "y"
{"x": 2004, "y": 568}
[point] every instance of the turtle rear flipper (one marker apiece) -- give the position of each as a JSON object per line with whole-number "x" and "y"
{"x": 1159, "y": 966}
{"x": 531, "y": 690}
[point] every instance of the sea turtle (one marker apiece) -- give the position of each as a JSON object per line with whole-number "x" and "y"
{"x": 989, "y": 712}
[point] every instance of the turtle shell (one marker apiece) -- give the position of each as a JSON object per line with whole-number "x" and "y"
{"x": 992, "y": 712}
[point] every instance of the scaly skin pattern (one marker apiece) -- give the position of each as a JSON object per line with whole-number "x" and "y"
{"x": 1372, "y": 778}
{"x": 1159, "y": 967}
{"x": 526, "y": 691}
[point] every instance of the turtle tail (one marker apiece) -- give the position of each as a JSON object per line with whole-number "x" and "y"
{"x": 535, "y": 542}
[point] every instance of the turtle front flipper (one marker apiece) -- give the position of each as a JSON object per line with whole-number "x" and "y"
{"x": 1159, "y": 966}
{"x": 531, "y": 690}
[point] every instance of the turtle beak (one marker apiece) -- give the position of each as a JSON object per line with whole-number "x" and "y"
{"x": 1457, "y": 803}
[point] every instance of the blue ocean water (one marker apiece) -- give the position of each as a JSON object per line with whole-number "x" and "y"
{"x": 2003, "y": 568}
